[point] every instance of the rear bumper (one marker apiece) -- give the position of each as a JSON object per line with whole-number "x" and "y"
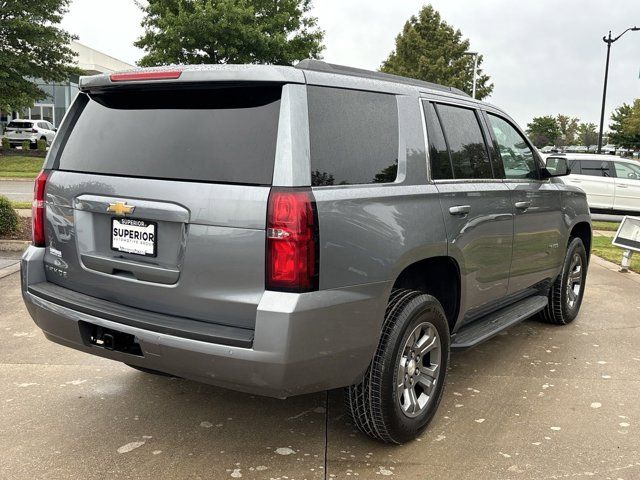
{"x": 302, "y": 343}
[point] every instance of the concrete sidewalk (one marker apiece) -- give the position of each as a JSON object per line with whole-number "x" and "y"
{"x": 537, "y": 402}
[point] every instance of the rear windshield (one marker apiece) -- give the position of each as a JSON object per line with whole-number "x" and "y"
{"x": 214, "y": 135}
{"x": 15, "y": 124}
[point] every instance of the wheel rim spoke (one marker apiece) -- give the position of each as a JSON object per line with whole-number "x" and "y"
{"x": 418, "y": 369}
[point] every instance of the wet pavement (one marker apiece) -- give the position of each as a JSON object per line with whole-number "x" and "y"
{"x": 536, "y": 402}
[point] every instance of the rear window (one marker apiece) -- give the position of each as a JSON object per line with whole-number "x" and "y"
{"x": 16, "y": 124}
{"x": 353, "y": 137}
{"x": 223, "y": 135}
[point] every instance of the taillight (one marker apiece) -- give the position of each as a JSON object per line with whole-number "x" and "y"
{"x": 292, "y": 241}
{"x": 37, "y": 210}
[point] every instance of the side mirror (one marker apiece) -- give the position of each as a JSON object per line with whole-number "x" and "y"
{"x": 55, "y": 129}
{"x": 556, "y": 167}
{"x": 633, "y": 176}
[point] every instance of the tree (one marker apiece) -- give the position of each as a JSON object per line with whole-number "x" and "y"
{"x": 625, "y": 126}
{"x": 430, "y": 49}
{"x": 32, "y": 47}
{"x": 228, "y": 31}
{"x": 543, "y": 131}
{"x": 587, "y": 134}
{"x": 568, "y": 130}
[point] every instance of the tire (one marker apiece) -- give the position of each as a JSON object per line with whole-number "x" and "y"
{"x": 150, "y": 371}
{"x": 567, "y": 291}
{"x": 381, "y": 405}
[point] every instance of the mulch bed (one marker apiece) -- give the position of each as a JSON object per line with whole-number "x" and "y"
{"x": 23, "y": 233}
{"x": 14, "y": 152}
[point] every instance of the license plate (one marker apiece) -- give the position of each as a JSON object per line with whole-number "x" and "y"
{"x": 135, "y": 236}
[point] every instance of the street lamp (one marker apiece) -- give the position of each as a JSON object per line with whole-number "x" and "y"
{"x": 475, "y": 71}
{"x": 608, "y": 40}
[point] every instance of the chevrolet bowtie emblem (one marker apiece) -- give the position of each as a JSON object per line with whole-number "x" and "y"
{"x": 120, "y": 208}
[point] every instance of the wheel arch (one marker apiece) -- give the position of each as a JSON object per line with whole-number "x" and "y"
{"x": 438, "y": 276}
{"x": 582, "y": 230}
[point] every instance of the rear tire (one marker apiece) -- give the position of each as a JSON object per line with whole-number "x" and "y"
{"x": 401, "y": 390}
{"x": 567, "y": 291}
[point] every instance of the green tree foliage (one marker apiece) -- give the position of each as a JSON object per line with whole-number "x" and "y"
{"x": 625, "y": 126}
{"x": 568, "y": 130}
{"x": 430, "y": 49}
{"x": 228, "y": 31}
{"x": 543, "y": 131}
{"x": 32, "y": 46}
{"x": 587, "y": 134}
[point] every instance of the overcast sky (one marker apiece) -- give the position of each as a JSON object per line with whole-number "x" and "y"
{"x": 544, "y": 56}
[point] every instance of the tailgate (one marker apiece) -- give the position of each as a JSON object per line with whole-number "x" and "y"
{"x": 158, "y": 201}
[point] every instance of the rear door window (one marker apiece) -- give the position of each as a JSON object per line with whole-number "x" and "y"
{"x": 441, "y": 168}
{"x": 215, "y": 134}
{"x": 353, "y": 136}
{"x": 467, "y": 147}
{"x": 596, "y": 168}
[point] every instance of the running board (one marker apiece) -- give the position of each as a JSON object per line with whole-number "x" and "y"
{"x": 486, "y": 327}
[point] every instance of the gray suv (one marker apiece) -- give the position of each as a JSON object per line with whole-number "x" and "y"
{"x": 286, "y": 230}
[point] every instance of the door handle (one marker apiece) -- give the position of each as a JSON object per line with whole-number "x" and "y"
{"x": 460, "y": 210}
{"x": 623, "y": 186}
{"x": 523, "y": 205}
{"x": 573, "y": 180}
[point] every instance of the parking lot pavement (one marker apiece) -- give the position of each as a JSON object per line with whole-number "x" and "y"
{"x": 536, "y": 402}
{"x": 17, "y": 190}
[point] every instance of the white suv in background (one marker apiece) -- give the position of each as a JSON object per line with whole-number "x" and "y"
{"x": 611, "y": 183}
{"x": 18, "y": 131}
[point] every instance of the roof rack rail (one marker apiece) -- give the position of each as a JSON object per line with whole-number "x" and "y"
{"x": 320, "y": 66}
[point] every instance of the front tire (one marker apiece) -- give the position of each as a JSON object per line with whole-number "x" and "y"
{"x": 401, "y": 390}
{"x": 567, "y": 291}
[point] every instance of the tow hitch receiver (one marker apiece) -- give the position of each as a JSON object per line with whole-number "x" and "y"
{"x": 110, "y": 339}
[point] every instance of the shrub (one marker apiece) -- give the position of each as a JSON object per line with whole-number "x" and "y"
{"x": 5, "y": 143}
{"x": 42, "y": 145}
{"x": 26, "y": 145}
{"x": 8, "y": 217}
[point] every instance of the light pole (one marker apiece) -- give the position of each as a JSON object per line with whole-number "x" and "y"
{"x": 475, "y": 71}
{"x": 608, "y": 40}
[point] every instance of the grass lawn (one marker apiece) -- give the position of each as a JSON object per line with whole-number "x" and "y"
{"x": 602, "y": 247}
{"x": 608, "y": 226}
{"x": 17, "y": 205}
{"x": 20, "y": 167}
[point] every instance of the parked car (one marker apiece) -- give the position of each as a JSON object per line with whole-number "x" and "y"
{"x": 18, "y": 131}
{"x": 548, "y": 149}
{"x": 287, "y": 230}
{"x": 612, "y": 184}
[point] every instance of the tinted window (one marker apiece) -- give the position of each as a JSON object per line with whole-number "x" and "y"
{"x": 469, "y": 154}
{"x": 216, "y": 135}
{"x": 517, "y": 158}
{"x": 627, "y": 170}
{"x": 438, "y": 153}
{"x": 19, "y": 124}
{"x": 596, "y": 168}
{"x": 353, "y": 137}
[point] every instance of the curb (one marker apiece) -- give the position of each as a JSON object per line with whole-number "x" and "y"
{"x": 18, "y": 179}
{"x": 634, "y": 277}
{"x": 13, "y": 245}
{"x": 10, "y": 270}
